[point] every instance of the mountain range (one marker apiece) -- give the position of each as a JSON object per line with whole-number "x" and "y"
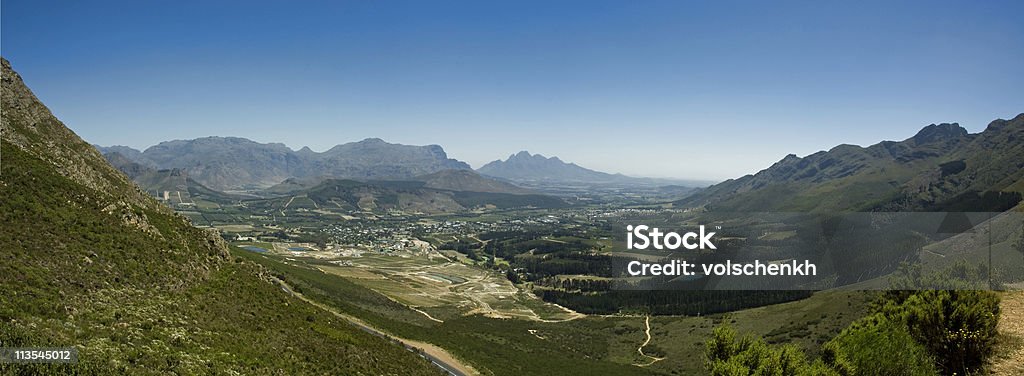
{"x": 438, "y": 192}
{"x": 232, "y": 163}
{"x": 942, "y": 167}
{"x": 132, "y": 285}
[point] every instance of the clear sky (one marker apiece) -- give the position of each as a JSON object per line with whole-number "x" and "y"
{"x": 700, "y": 90}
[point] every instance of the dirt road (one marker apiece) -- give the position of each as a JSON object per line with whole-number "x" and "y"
{"x": 1009, "y": 356}
{"x": 647, "y": 332}
{"x": 436, "y": 355}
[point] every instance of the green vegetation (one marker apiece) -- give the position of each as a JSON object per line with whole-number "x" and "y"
{"x": 728, "y": 355}
{"x": 90, "y": 261}
{"x": 941, "y": 168}
{"x": 82, "y": 278}
{"x": 108, "y": 270}
{"x": 957, "y": 327}
{"x": 333, "y": 198}
{"x": 587, "y": 345}
{"x": 880, "y": 346}
{"x": 669, "y": 302}
{"x": 501, "y": 347}
{"x": 921, "y": 333}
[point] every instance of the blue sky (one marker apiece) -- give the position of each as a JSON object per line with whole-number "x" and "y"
{"x": 700, "y": 90}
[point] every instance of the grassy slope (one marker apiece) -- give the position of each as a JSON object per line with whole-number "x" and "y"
{"x": 86, "y": 260}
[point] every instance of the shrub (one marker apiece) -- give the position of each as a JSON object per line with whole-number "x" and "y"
{"x": 878, "y": 345}
{"x": 727, "y": 355}
{"x": 957, "y": 327}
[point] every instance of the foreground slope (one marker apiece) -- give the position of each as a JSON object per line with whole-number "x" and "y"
{"x": 88, "y": 260}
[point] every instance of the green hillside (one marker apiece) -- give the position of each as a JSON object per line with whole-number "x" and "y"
{"x": 89, "y": 260}
{"x": 408, "y": 196}
{"x": 941, "y": 168}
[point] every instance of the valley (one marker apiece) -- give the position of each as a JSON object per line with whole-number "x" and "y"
{"x": 491, "y": 272}
{"x": 495, "y": 273}
{"x": 467, "y": 188}
{"x": 482, "y": 275}
{"x": 532, "y": 281}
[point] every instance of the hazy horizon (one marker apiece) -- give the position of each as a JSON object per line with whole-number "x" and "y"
{"x": 478, "y": 164}
{"x": 699, "y": 91}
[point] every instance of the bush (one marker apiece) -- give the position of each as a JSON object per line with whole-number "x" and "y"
{"x": 920, "y": 333}
{"x": 727, "y": 355}
{"x": 877, "y": 345}
{"x": 957, "y": 327}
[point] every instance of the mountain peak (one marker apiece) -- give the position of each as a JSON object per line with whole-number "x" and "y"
{"x": 522, "y": 154}
{"x": 526, "y": 156}
{"x": 999, "y": 124}
{"x": 936, "y": 132}
{"x": 523, "y": 166}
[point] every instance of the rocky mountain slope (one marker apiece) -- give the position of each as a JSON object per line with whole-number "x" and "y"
{"x": 524, "y": 166}
{"x": 942, "y": 167}
{"x": 229, "y": 163}
{"x": 126, "y": 153}
{"x": 134, "y": 287}
{"x": 536, "y": 169}
{"x": 373, "y": 158}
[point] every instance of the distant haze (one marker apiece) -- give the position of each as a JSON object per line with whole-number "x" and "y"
{"x": 661, "y": 88}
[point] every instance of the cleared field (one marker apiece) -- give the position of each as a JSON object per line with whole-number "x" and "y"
{"x": 234, "y": 228}
{"x": 442, "y": 289}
